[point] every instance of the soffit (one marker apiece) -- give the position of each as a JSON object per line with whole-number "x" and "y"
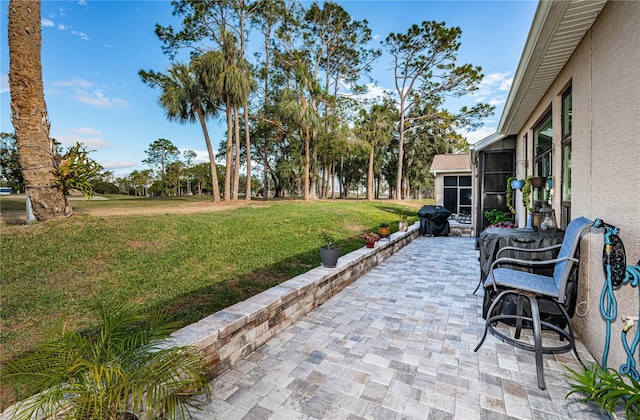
{"x": 557, "y": 29}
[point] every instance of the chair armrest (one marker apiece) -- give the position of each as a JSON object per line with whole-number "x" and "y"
{"x": 530, "y": 263}
{"x": 517, "y": 248}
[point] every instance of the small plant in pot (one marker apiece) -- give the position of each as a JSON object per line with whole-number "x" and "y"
{"x": 121, "y": 369}
{"x": 329, "y": 250}
{"x": 498, "y": 218}
{"x": 384, "y": 230}
{"x": 370, "y": 239}
{"x": 509, "y": 198}
{"x": 403, "y": 224}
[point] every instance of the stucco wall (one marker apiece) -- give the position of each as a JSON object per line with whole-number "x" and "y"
{"x": 603, "y": 74}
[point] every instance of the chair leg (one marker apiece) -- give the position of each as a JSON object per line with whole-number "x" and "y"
{"x": 572, "y": 337}
{"x": 489, "y": 312}
{"x": 537, "y": 338}
{"x": 519, "y": 313}
{"x": 478, "y": 286}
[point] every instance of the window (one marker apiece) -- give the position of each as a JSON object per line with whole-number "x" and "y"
{"x": 542, "y": 157}
{"x": 542, "y": 142}
{"x": 567, "y": 111}
{"x": 457, "y": 194}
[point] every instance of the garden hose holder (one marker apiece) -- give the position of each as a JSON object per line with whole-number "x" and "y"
{"x": 618, "y": 273}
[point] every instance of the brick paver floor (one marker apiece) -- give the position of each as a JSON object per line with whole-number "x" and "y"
{"x": 398, "y": 344}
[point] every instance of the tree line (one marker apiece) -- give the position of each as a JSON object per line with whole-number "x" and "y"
{"x": 296, "y": 109}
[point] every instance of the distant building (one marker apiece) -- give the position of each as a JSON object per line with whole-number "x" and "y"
{"x": 452, "y": 187}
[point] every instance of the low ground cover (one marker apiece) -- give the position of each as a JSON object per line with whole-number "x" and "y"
{"x": 188, "y": 256}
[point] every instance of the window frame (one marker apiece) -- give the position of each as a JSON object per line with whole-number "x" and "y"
{"x": 565, "y": 185}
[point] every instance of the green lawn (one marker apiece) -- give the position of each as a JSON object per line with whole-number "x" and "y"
{"x": 191, "y": 264}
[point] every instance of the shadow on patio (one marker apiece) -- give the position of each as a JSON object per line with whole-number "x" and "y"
{"x": 397, "y": 343}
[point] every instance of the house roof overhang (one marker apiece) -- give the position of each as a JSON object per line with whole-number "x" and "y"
{"x": 558, "y": 27}
{"x": 483, "y": 144}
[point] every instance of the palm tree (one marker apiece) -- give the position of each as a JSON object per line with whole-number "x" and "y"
{"x": 122, "y": 365}
{"x": 376, "y": 129}
{"x": 229, "y": 76}
{"x": 185, "y": 98}
{"x": 29, "y": 111}
{"x": 297, "y": 107}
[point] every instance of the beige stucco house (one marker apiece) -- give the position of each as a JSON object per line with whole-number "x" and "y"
{"x": 573, "y": 115}
{"x": 452, "y": 182}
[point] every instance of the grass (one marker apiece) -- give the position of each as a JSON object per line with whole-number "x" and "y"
{"x": 190, "y": 264}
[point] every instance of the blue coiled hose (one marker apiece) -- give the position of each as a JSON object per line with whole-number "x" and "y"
{"x": 609, "y": 306}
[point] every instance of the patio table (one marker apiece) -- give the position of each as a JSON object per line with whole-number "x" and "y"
{"x": 493, "y": 239}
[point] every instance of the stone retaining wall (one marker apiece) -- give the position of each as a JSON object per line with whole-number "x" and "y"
{"x": 229, "y": 335}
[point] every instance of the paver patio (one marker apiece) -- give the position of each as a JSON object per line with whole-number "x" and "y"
{"x": 398, "y": 344}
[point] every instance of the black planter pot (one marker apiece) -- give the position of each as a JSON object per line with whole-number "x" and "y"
{"x": 329, "y": 257}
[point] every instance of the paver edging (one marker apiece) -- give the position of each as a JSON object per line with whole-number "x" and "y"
{"x": 229, "y": 335}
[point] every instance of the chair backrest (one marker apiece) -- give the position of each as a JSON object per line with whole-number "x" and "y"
{"x": 569, "y": 248}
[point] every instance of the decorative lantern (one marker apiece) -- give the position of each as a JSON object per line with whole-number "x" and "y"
{"x": 547, "y": 222}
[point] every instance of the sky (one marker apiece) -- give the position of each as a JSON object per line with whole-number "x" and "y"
{"x": 92, "y": 51}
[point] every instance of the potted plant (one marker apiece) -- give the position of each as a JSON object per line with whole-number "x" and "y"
{"x": 538, "y": 181}
{"x": 498, "y": 218}
{"x": 384, "y": 230}
{"x": 403, "y": 224}
{"x": 370, "y": 239}
{"x": 120, "y": 369}
{"x": 329, "y": 250}
{"x": 526, "y": 194}
{"x": 516, "y": 184}
{"x": 509, "y": 199}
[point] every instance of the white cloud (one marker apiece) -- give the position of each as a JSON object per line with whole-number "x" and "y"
{"x": 475, "y": 136}
{"x": 47, "y": 23}
{"x": 91, "y": 143}
{"x": 62, "y": 27}
{"x": 498, "y": 81}
{"x": 494, "y": 84}
{"x": 498, "y": 100}
{"x": 202, "y": 156}
{"x": 82, "y": 93}
{"x": 4, "y": 83}
{"x": 123, "y": 164}
{"x": 86, "y": 131}
{"x": 81, "y": 35}
{"x": 82, "y": 2}
{"x": 374, "y": 93}
{"x": 74, "y": 83}
{"x": 99, "y": 100}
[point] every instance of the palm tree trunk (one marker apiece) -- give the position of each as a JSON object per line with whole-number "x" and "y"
{"x": 370, "y": 176}
{"x": 227, "y": 178}
{"x": 333, "y": 178}
{"x": 29, "y": 111}
{"x": 313, "y": 177}
{"x": 307, "y": 164}
{"x": 212, "y": 157}
{"x": 247, "y": 140}
{"x": 236, "y": 158}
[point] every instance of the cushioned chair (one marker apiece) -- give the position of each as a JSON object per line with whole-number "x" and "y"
{"x": 530, "y": 286}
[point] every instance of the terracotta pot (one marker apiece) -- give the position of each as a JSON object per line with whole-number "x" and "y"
{"x": 384, "y": 231}
{"x": 538, "y": 181}
{"x": 370, "y": 244}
